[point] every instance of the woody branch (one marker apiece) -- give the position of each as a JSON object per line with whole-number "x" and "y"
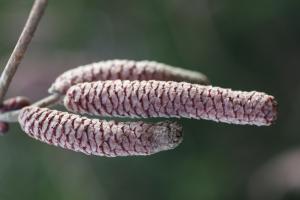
{"x": 15, "y": 59}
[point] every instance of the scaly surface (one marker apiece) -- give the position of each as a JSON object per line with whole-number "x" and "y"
{"x": 124, "y": 70}
{"x": 171, "y": 99}
{"x": 99, "y": 137}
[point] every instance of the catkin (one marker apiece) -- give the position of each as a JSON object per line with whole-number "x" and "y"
{"x": 171, "y": 99}
{"x": 99, "y": 137}
{"x": 124, "y": 70}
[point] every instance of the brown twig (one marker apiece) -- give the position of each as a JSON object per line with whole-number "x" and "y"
{"x": 21, "y": 46}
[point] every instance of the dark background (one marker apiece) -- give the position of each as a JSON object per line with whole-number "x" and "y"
{"x": 244, "y": 45}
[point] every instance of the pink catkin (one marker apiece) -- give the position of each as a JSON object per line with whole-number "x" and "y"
{"x": 124, "y": 70}
{"x": 171, "y": 99}
{"x": 98, "y": 137}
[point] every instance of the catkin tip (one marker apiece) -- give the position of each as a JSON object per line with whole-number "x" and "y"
{"x": 167, "y": 135}
{"x": 271, "y": 110}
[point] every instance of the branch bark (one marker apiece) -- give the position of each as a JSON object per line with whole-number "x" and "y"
{"x": 11, "y": 67}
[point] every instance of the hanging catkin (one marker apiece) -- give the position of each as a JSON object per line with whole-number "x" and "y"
{"x": 171, "y": 99}
{"x": 98, "y": 137}
{"x": 124, "y": 70}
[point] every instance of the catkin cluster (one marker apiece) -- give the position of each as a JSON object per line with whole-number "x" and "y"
{"x": 137, "y": 89}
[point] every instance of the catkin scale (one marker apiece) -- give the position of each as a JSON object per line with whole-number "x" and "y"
{"x": 124, "y": 70}
{"x": 171, "y": 99}
{"x": 99, "y": 137}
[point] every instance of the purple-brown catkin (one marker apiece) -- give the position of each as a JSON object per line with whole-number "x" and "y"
{"x": 99, "y": 137}
{"x": 171, "y": 99}
{"x": 124, "y": 70}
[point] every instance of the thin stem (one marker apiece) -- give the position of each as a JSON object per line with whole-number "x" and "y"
{"x": 48, "y": 101}
{"x": 11, "y": 67}
{"x": 45, "y": 102}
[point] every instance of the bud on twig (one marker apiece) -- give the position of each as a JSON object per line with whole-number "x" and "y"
{"x": 97, "y": 137}
{"x": 10, "y": 104}
{"x": 14, "y": 103}
{"x": 4, "y": 127}
{"x": 124, "y": 70}
{"x": 171, "y": 99}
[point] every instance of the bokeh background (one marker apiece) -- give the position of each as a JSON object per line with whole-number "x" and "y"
{"x": 244, "y": 45}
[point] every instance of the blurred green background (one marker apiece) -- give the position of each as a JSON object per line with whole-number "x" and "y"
{"x": 244, "y": 45}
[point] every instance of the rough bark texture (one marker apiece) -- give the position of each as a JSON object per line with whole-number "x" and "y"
{"x": 171, "y": 99}
{"x": 97, "y": 137}
{"x": 124, "y": 70}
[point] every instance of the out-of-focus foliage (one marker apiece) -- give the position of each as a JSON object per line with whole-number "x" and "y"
{"x": 246, "y": 45}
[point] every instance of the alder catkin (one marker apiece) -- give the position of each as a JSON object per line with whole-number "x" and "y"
{"x": 124, "y": 70}
{"x": 99, "y": 137}
{"x": 171, "y": 99}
